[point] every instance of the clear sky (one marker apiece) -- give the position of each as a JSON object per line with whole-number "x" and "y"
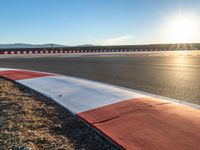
{"x": 105, "y": 22}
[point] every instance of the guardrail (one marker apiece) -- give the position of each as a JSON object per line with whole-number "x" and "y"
{"x": 42, "y": 51}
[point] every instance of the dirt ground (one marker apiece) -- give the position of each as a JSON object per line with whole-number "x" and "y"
{"x": 29, "y": 121}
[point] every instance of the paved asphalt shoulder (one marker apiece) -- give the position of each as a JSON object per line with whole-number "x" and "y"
{"x": 174, "y": 76}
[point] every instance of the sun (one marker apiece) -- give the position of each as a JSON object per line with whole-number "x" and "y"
{"x": 183, "y": 29}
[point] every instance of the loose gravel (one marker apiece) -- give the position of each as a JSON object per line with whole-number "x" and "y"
{"x": 29, "y": 121}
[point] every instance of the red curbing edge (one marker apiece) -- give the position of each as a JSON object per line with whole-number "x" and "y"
{"x": 148, "y": 124}
{"x": 21, "y": 74}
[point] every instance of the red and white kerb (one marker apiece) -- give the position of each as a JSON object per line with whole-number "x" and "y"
{"x": 130, "y": 119}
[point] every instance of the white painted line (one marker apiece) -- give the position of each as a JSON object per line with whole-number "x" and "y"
{"x": 6, "y": 69}
{"x": 78, "y": 95}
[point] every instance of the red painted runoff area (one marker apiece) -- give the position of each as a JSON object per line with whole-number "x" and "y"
{"x": 21, "y": 75}
{"x": 148, "y": 124}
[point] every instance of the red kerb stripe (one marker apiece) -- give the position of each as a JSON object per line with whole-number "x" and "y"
{"x": 148, "y": 124}
{"x": 20, "y": 75}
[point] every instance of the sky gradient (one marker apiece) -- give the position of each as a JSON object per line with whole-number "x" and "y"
{"x": 99, "y": 22}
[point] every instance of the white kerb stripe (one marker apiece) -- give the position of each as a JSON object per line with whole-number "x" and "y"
{"x": 78, "y": 95}
{"x": 6, "y": 69}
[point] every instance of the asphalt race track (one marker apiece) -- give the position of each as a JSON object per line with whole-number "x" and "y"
{"x": 175, "y": 75}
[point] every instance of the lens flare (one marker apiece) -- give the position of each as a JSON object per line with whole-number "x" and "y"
{"x": 183, "y": 29}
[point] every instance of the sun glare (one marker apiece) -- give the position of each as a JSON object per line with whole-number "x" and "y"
{"x": 183, "y": 29}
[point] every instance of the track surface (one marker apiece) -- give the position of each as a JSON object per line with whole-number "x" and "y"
{"x": 175, "y": 75}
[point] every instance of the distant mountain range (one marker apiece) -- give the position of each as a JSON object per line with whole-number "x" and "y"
{"x": 23, "y": 45}
{"x": 86, "y": 45}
